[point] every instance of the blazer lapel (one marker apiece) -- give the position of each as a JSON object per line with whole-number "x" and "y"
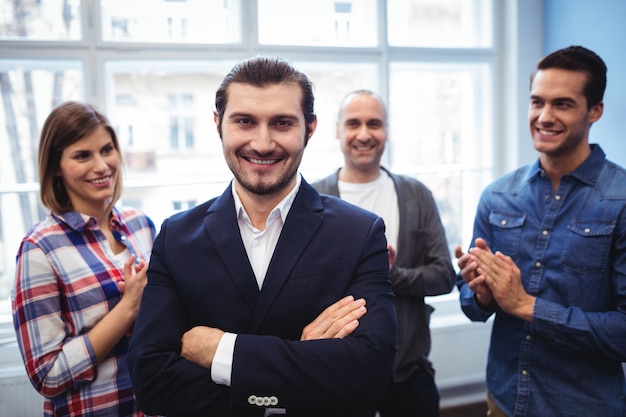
{"x": 300, "y": 227}
{"x": 223, "y": 230}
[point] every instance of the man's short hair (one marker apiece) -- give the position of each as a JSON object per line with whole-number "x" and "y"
{"x": 578, "y": 58}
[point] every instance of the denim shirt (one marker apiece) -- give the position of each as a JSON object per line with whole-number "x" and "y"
{"x": 571, "y": 249}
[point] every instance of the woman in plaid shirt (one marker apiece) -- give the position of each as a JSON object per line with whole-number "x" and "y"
{"x": 81, "y": 271}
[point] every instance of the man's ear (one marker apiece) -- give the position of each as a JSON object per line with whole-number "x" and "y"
{"x": 218, "y": 124}
{"x": 596, "y": 112}
{"x": 312, "y": 127}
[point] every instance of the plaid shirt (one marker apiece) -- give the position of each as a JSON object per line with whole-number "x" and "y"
{"x": 66, "y": 281}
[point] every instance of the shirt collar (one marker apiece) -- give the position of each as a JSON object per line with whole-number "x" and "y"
{"x": 282, "y": 207}
{"x": 78, "y": 221}
{"x": 587, "y": 172}
{"x": 590, "y": 169}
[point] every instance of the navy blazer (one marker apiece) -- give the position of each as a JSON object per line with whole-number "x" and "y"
{"x": 199, "y": 274}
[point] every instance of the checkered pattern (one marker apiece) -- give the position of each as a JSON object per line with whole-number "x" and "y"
{"x": 66, "y": 281}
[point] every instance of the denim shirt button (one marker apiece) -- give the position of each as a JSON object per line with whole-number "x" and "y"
{"x": 524, "y": 372}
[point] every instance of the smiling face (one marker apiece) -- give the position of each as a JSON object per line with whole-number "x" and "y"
{"x": 558, "y": 115}
{"x": 263, "y": 135}
{"x": 89, "y": 171}
{"x": 362, "y": 130}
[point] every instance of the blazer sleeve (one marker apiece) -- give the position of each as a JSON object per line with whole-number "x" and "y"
{"x": 164, "y": 382}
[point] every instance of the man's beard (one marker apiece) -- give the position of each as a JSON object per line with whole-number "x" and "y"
{"x": 261, "y": 187}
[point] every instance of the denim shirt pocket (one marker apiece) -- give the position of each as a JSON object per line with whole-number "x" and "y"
{"x": 588, "y": 245}
{"x": 507, "y": 231}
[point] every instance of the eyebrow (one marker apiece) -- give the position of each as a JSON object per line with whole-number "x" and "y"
{"x": 561, "y": 99}
{"x": 251, "y": 116}
{"x": 367, "y": 121}
{"x": 240, "y": 114}
{"x": 109, "y": 143}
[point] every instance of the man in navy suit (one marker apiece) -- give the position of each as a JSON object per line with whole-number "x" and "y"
{"x": 270, "y": 299}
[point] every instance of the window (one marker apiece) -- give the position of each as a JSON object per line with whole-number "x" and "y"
{"x": 438, "y": 110}
{"x": 30, "y": 89}
{"x": 153, "y": 67}
{"x": 440, "y": 23}
{"x": 166, "y": 21}
{"x": 40, "y": 20}
{"x": 326, "y": 23}
{"x": 183, "y": 205}
{"x": 181, "y": 121}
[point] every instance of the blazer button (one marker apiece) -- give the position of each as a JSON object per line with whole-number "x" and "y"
{"x": 260, "y": 401}
{"x": 252, "y": 400}
{"x": 273, "y": 400}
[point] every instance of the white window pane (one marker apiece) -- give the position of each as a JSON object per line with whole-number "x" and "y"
{"x": 438, "y": 111}
{"x": 318, "y": 23}
{"x": 30, "y": 89}
{"x": 439, "y": 133}
{"x": 184, "y": 21}
{"x": 332, "y": 81}
{"x": 440, "y": 23}
{"x": 13, "y": 230}
{"x": 49, "y": 20}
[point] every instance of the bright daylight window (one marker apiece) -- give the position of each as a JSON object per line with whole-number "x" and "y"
{"x": 153, "y": 67}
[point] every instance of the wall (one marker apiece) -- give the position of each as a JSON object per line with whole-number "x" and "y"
{"x": 597, "y": 25}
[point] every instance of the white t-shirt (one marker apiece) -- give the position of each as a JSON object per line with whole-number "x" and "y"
{"x": 378, "y": 196}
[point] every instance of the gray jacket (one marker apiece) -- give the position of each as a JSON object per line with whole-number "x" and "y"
{"x": 423, "y": 267}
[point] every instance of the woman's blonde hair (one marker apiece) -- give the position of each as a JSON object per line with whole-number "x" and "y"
{"x": 66, "y": 124}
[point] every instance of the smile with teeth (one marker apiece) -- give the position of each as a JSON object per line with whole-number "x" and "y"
{"x": 547, "y": 132}
{"x": 102, "y": 180}
{"x": 263, "y": 161}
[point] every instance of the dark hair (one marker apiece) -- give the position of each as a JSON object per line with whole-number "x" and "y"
{"x": 263, "y": 72}
{"x": 578, "y": 58}
{"x": 66, "y": 124}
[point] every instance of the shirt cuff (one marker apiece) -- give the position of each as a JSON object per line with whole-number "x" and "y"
{"x": 222, "y": 366}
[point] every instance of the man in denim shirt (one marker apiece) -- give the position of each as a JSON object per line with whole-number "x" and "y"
{"x": 550, "y": 258}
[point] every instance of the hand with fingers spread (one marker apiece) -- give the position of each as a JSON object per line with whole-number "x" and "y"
{"x": 337, "y": 321}
{"x": 468, "y": 264}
